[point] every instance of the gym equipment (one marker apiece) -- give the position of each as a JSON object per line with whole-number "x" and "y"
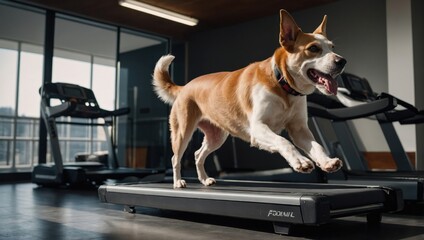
{"x": 284, "y": 204}
{"x": 355, "y": 170}
{"x": 355, "y": 90}
{"x": 78, "y": 102}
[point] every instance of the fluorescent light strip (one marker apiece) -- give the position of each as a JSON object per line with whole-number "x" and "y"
{"x": 159, "y": 12}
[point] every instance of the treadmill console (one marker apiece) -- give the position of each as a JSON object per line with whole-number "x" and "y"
{"x": 72, "y": 91}
{"x": 75, "y": 101}
{"x": 359, "y": 89}
{"x": 67, "y": 92}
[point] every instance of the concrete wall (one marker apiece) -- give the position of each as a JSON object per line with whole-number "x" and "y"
{"x": 401, "y": 61}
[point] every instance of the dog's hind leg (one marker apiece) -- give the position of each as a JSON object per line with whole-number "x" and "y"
{"x": 213, "y": 139}
{"x": 183, "y": 122}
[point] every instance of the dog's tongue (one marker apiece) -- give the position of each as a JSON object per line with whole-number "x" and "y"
{"x": 328, "y": 82}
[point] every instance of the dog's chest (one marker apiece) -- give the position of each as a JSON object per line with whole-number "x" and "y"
{"x": 273, "y": 110}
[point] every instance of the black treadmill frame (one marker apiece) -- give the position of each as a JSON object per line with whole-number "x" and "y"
{"x": 284, "y": 204}
{"x": 356, "y": 170}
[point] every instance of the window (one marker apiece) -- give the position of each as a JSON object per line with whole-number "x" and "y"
{"x": 145, "y": 130}
{"x": 8, "y": 71}
{"x": 30, "y": 79}
{"x": 84, "y": 54}
{"x": 21, "y": 61}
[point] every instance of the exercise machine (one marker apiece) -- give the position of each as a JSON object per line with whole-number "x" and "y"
{"x": 355, "y": 167}
{"x": 283, "y": 204}
{"x": 356, "y": 91}
{"x": 78, "y": 102}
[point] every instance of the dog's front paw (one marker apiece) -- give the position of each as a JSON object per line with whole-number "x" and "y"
{"x": 331, "y": 165}
{"x": 180, "y": 183}
{"x": 208, "y": 181}
{"x": 303, "y": 165}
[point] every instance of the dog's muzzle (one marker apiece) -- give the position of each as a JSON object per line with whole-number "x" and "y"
{"x": 326, "y": 80}
{"x": 340, "y": 62}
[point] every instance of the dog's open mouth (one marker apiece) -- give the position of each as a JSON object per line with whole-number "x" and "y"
{"x": 324, "y": 80}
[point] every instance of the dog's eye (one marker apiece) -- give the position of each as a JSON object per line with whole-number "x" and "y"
{"x": 314, "y": 49}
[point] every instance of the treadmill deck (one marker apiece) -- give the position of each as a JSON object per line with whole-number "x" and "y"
{"x": 289, "y": 203}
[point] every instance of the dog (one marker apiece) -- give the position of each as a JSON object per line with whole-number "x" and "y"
{"x": 255, "y": 103}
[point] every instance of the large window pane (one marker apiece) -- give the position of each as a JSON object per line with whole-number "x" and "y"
{"x": 6, "y": 127}
{"x": 26, "y": 141}
{"x": 22, "y": 23}
{"x": 104, "y": 72}
{"x": 6, "y": 153}
{"x": 30, "y": 79}
{"x": 8, "y": 76}
{"x": 72, "y": 68}
{"x": 6, "y": 141}
{"x": 23, "y": 153}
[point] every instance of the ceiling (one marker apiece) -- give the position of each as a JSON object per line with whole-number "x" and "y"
{"x": 211, "y": 13}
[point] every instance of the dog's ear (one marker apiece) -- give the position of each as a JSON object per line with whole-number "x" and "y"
{"x": 322, "y": 28}
{"x": 288, "y": 30}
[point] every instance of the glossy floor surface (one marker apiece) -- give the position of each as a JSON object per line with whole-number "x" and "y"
{"x": 29, "y": 212}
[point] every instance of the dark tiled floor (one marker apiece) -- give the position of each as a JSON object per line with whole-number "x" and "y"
{"x": 29, "y": 212}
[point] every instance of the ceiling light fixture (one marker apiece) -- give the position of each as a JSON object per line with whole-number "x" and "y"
{"x": 159, "y": 12}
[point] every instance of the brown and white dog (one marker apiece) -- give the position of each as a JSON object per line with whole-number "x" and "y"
{"x": 255, "y": 103}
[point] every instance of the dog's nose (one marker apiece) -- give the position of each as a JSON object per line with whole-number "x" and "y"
{"x": 340, "y": 61}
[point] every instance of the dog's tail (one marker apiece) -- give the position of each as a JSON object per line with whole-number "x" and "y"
{"x": 164, "y": 87}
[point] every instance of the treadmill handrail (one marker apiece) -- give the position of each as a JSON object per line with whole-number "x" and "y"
{"x": 381, "y": 105}
{"x": 116, "y": 112}
{"x": 59, "y": 110}
{"x": 417, "y": 119}
{"x": 398, "y": 115}
{"x": 400, "y": 102}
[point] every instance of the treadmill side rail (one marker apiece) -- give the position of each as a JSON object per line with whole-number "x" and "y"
{"x": 317, "y": 209}
{"x": 394, "y": 200}
{"x": 282, "y": 204}
{"x": 274, "y": 212}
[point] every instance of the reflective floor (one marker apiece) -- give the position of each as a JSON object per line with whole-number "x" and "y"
{"x": 29, "y": 212}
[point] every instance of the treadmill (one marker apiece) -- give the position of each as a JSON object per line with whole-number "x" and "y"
{"x": 283, "y": 204}
{"x": 355, "y": 169}
{"x": 356, "y": 91}
{"x": 78, "y": 102}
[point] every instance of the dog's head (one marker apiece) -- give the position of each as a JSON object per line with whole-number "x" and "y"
{"x": 309, "y": 57}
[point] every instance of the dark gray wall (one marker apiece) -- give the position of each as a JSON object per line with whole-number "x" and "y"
{"x": 358, "y": 28}
{"x": 232, "y": 47}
